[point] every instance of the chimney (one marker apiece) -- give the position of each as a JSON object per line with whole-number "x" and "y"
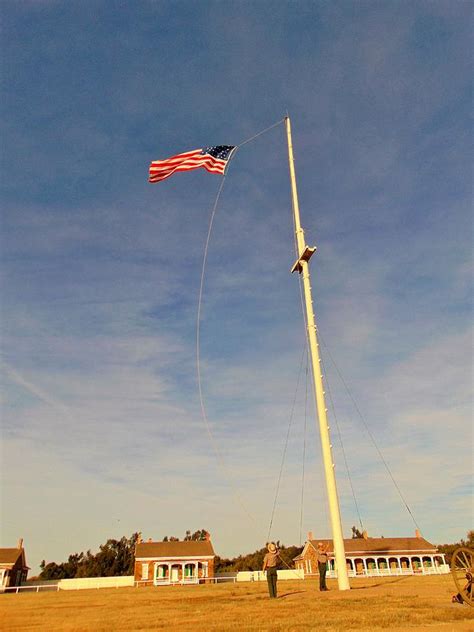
{"x": 208, "y": 536}
{"x": 150, "y": 540}
{"x": 365, "y": 535}
{"x": 417, "y": 533}
{"x": 20, "y": 543}
{"x": 310, "y": 535}
{"x": 139, "y": 537}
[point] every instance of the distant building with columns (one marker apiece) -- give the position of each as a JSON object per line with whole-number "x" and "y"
{"x": 164, "y": 563}
{"x": 375, "y": 557}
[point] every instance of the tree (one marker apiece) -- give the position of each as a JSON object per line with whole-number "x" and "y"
{"x": 200, "y": 534}
{"x": 448, "y": 549}
{"x": 254, "y": 561}
{"x": 115, "y": 557}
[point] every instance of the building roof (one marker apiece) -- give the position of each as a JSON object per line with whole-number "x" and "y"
{"x": 9, "y": 557}
{"x": 365, "y": 546}
{"x": 187, "y": 548}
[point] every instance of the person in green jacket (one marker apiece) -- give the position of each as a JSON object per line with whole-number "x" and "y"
{"x": 322, "y": 565}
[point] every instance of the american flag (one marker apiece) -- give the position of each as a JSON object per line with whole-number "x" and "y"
{"x": 213, "y": 159}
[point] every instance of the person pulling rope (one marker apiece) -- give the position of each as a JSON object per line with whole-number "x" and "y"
{"x": 270, "y": 563}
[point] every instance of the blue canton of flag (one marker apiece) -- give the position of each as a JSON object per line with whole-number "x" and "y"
{"x": 222, "y": 152}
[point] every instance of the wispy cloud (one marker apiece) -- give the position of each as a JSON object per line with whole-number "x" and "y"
{"x": 37, "y": 392}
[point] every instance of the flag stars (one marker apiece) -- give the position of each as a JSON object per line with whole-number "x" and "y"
{"x": 221, "y": 152}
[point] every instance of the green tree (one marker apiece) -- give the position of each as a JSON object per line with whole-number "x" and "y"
{"x": 448, "y": 549}
{"x": 200, "y": 534}
{"x": 254, "y": 561}
{"x": 115, "y": 557}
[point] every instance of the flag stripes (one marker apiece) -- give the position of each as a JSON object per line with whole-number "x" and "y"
{"x": 213, "y": 159}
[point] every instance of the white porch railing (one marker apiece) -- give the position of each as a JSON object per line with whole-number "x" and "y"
{"x": 166, "y": 581}
{"x": 442, "y": 569}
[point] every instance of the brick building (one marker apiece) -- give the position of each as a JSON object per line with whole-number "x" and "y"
{"x": 162, "y": 563}
{"x": 377, "y": 556}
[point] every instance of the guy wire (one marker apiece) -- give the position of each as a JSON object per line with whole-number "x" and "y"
{"x": 328, "y": 388}
{"x": 367, "y": 429}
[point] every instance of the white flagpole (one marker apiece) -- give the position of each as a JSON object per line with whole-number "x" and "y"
{"x": 301, "y": 266}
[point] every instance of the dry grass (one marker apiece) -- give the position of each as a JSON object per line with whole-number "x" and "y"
{"x": 422, "y": 603}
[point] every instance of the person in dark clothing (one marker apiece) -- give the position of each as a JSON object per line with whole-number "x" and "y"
{"x": 322, "y": 565}
{"x": 270, "y": 562}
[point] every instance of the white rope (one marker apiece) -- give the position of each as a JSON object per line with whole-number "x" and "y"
{"x": 286, "y": 442}
{"x": 217, "y": 452}
{"x": 260, "y": 133}
{"x": 304, "y": 449}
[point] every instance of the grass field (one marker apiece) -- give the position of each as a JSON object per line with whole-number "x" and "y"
{"x": 404, "y": 603}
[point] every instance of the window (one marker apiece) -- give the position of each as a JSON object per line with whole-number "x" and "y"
{"x": 144, "y": 571}
{"x": 161, "y": 572}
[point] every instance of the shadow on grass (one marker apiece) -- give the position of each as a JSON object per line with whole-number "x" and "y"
{"x": 295, "y": 592}
{"x": 384, "y": 583}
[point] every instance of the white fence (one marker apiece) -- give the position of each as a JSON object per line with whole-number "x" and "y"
{"x": 258, "y": 576}
{"x": 79, "y": 583}
{"x": 91, "y": 583}
{"x": 30, "y": 588}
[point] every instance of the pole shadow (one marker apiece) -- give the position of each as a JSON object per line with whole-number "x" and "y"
{"x": 385, "y": 583}
{"x": 295, "y": 592}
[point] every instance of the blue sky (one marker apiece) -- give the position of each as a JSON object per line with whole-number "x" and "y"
{"x": 102, "y": 433}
